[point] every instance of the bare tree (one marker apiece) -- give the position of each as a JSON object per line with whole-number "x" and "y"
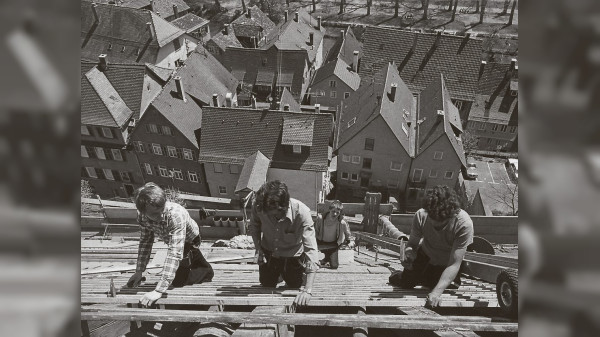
{"x": 425, "y": 8}
{"x": 450, "y": 5}
{"x": 86, "y": 192}
{"x": 483, "y": 4}
{"x": 470, "y": 141}
{"x": 512, "y": 12}
{"x": 369, "y": 3}
{"x": 396, "y": 6}
{"x": 314, "y": 6}
{"x": 342, "y": 3}
{"x": 454, "y": 9}
{"x": 477, "y": 6}
{"x": 505, "y": 7}
{"x": 506, "y": 194}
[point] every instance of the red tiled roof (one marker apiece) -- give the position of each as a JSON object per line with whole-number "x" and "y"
{"x": 254, "y": 172}
{"x": 259, "y": 130}
{"x": 458, "y": 58}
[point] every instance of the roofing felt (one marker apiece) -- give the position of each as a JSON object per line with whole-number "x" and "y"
{"x": 261, "y": 130}
{"x": 189, "y": 22}
{"x": 122, "y": 33}
{"x": 341, "y": 70}
{"x": 458, "y": 58}
{"x": 254, "y": 172}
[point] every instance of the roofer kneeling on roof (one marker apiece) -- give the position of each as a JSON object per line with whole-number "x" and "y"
{"x": 446, "y": 230}
{"x": 184, "y": 264}
{"x": 284, "y": 236}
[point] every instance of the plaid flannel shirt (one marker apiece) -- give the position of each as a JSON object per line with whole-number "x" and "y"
{"x": 175, "y": 228}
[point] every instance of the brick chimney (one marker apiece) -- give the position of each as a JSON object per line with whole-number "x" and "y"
{"x": 285, "y": 15}
{"x": 481, "y": 69}
{"x": 215, "y": 100}
{"x": 95, "y": 10}
{"x": 317, "y": 108}
{"x": 296, "y": 16}
{"x": 102, "y": 63}
{"x": 253, "y": 100}
{"x": 226, "y": 29}
{"x": 229, "y": 100}
{"x": 311, "y": 38}
{"x": 319, "y": 22}
{"x": 355, "y": 62}
{"x": 180, "y": 88}
{"x": 286, "y": 107}
{"x": 150, "y": 30}
{"x": 175, "y": 11}
{"x": 393, "y": 92}
{"x": 249, "y": 13}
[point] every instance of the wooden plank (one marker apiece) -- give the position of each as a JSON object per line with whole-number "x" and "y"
{"x": 263, "y": 329}
{"x": 360, "y": 331}
{"x": 343, "y": 320}
{"x": 419, "y": 312}
{"x": 108, "y": 203}
{"x": 371, "y": 212}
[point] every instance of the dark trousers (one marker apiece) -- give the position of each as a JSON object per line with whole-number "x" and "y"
{"x": 330, "y": 250}
{"x": 193, "y": 268}
{"x": 422, "y": 273}
{"x": 290, "y": 268}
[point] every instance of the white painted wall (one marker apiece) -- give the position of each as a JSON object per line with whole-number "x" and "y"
{"x": 167, "y": 55}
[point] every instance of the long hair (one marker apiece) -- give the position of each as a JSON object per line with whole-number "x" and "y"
{"x": 336, "y": 204}
{"x": 272, "y": 195}
{"x": 441, "y": 203}
{"x": 149, "y": 194}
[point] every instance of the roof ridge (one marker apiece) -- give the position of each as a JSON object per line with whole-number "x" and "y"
{"x": 164, "y": 87}
{"x": 100, "y": 73}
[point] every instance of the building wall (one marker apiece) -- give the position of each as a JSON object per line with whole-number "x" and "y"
{"x": 177, "y": 140}
{"x": 386, "y": 149}
{"x": 167, "y": 55}
{"x": 450, "y": 162}
{"x": 490, "y": 139}
{"x": 340, "y": 89}
{"x": 225, "y": 178}
{"x": 305, "y": 186}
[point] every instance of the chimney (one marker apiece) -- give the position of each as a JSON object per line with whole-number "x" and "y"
{"x": 215, "y": 100}
{"x": 226, "y": 30}
{"x": 311, "y": 38}
{"x": 393, "y": 93}
{"x": 253, "y": 99}
{"x": 437, "y": 39}
{"x": 152, "y": 5}
{"x": 481, "y": 68}
{"x": 296, "y": 16}
{"x": 95, "y": 10}
{"x": 229, "y": 100}
{"x": 378, "y": 100}
{"x": 317, "y": 108}
{"x": 102, "y": 64}
{"x": 355, "y": 62}
{"x": 285, "y": 15}
{"x": 440, "y": 113}
{"x": 343, "y": 33}
{"x": 175, "y": 11}
{"x": 513, "y": 66}
{"x": 319, "y": 22}
{"x": 180, "y": 89}
{"x": 286, "y": 107}
{"x": 249, "y": 14}
{"x": 149, "y": 26}
{"x": 254, "y": 44}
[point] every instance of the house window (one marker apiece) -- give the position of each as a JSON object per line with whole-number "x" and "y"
{"x": 503, "y": 128}
{"x": 187, "y": 154}
{"x": 125, "y": 176}
{"x": 100, "y": 153}
{"x": 396, "y": 166}
{"x": 417, "y": 175}
{"x": 392, "y": 183}
{"x": 163, "y": 171}
{"x": 364, "y": 182}
{"x": 351, "y": 122}
{"x": 264, "y": 61}
{"x": 333, "y": 94}
{"x": 433, "y": 173}
{"x": 139, "y": 146}
{"x": 177, "y": 174}
{"x": 437, "y": 155}
{"x": 489, "y": 141}
{"x": 218, "y": 168}
{"x": 148, "y": 168}
{"x": 116, "y": 153}
{"x": 222, "y": 189}
{"x": 495, "y": 127}
{"x": 108, "y": 174}
{"x": 355, "y": 159}
{"x": 156, "y": 149}
{"x": 234, "y": 169}
{"x": 369, "y": 144}
{"x": 481, "y": 126}
{"x": 91, "y": 172}
{"x": 345, "y": 175}
{"x": 166, "y": 130}
{"x": 404, "y": 129}
{"x": 332, "y": 83}
{"x": 84, "y": 152}
{"x": 193, "y": 176}
{"x": 107, "y": 133}
{"x": 354, "y": 177}
{"x": 85, "y": 130}
{"x": 346, "y": 95}
{"x": 172, "y": 151}
{"x": 297, "y": 148}
{"x": 346, "y": 158}
{"x": 367, "y": 163}
{"x": 151, "y": 128}
{"x": 512, "y": 129}
{"x": 177, "y": 44}
{"x": 449, "y": 175}
{"x": 457, "y": 103}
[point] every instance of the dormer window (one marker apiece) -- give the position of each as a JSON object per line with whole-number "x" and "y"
{"x": 351, "y": 122}
{"x": 297, "y": 149}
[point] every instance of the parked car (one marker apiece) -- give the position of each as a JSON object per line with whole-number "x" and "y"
{"x": 471, "y": 170}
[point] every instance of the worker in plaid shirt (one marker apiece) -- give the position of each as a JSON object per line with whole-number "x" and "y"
{"x": 172, "y": 223}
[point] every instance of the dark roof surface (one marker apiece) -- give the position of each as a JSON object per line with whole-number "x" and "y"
{"x": 249, "y": 26}
{"x": 341, "y": 70}
{"x": 189, "y": 22}
{"x": 164, "y": 8}
{"x": 495, "y": 87}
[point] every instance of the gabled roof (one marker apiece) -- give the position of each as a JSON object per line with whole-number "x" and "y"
{"x": 344, "y": 47}
{"x": 112, "y": 96}
{"x": 435, "y": 98}
{"x": 123, "y": 27}
{"x": 202, "y": 76}
{"x": 226, "y": 40}
{"x": 287, "y": 98}
{"x": 495, "y": 86}
{"x": 163, "y": 73}
{"x": 457, "y": 57}
{"x": 189, "y": 22}
{"x": 292, "y": 35}
{"x": 362, "y": 107}
{"x": 164, "y": 8}
{"x": 254, "y": 172}
{"x": 341, "y": 70}
{"x": 261, "y": 130}
{"x": 251, "y": 26}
